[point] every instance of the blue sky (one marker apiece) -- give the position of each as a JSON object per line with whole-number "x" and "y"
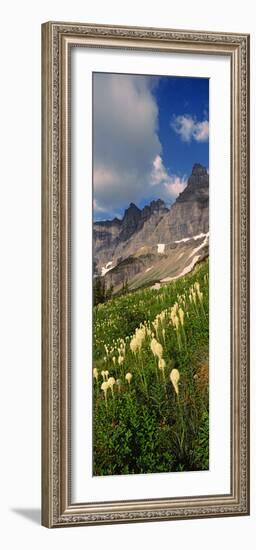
{"x": 147, "y": 134}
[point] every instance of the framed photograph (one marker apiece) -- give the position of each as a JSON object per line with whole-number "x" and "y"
{"x": 145, "y": 274}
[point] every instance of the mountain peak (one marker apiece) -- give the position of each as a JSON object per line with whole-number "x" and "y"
{"x": 198, "y": 170}
{"x": 197, "y": 187}
{"x": 132, "y": 206}
{"x": 156, "y": 204}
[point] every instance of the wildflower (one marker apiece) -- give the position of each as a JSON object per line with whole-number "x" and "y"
{"x": 174, "y": 377}
{"x": 95, "y": 373}
{"x": 193, "y": 295}
{"x": 176, "y": 321}
{"x": 103, "y": 375}
{"x": 174, "y": 311}
{"x": 200, "y": 296}
{"x": 104, "y": 387}
{"x": 174, "y": 315}
{"x": 181, "y": 316}
{"x": 155, "y": 324}
{"x": 128, "y": 377}
{"x": 121, "y": 349}
{"x": 106, "y": 374}
{"x": 140, "y": 334}
{"x": 162, "y": 315}
{"x": 197, "y": 287}
{"x": 120, "y": 360}
{"x": 111, "y": 382}
{"x": 134, "y": 344}
{"x": 161, "y": 364}
{"x": 114, "y": 359}
{"x": 156, "y": 348}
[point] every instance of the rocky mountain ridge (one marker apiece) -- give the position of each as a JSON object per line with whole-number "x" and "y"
{"x": 124, "y": 248}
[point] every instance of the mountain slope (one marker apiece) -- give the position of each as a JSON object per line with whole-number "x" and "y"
{"x": 156, "y": 243}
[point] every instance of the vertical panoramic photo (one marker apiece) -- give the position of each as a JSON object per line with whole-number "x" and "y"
{"x": 150, "y": 274}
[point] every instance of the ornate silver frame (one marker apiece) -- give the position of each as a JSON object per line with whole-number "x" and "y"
{"x": 57, "y": 41}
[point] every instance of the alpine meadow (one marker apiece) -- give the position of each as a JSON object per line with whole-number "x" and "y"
{"x": 150, "y": 371}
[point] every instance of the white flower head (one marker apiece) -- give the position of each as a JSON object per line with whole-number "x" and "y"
{"x": 111, "y": 382}
{"x": 161, "y": 364}
{"x": 104, "y": 387}
{"x": 174, "y": 377}
{"x": 134, "y": 344}
{"x": 128, "y": 377}
{"x": 197, "y": 287}
{"x": 156, "y": 348}
{"x": 181, "y": 316}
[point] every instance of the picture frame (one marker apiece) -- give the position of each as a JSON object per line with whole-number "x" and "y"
{"x": 58, "y": 40}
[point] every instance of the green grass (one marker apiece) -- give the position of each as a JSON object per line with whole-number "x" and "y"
{"x": 148, "y": 424}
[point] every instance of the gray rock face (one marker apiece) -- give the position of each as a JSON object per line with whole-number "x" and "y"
{"x": 116, "y": 239}
{"x": 189, "y": 215}
{"x": 134, "y": 236}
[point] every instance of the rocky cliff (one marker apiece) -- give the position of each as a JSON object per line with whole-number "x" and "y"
{"x": 150, "y": 237}
{"x": 189, "y": 215}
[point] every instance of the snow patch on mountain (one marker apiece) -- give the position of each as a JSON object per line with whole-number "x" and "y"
{"x": 204, "y": 243}
{"x": 184, "y": 272}
{"x": 107, "y": 268}
{"x": 195, "y": 238}
{"x": 160, "y": 248}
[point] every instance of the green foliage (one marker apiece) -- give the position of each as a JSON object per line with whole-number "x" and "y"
{"x": 143, "y": 425}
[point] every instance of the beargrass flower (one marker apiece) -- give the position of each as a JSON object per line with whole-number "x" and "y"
{"x": 134, "y": 344}
{"x": 111, "y": 381}
{"x": 128, "y": 377}
{"x": 197, "y": 287}
{"x": 200, "y": 296}
{"x": 174, "y": 315}
{"x": 156, "y": 348}
{"x": 104, "y": 387}
{"x": 174, "y": 377}
{"x": 161, "y": 364}
{"x": 95, "y": 373}
{"x": 181, "y": 316}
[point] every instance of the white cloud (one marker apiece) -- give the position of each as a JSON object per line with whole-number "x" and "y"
{"x": 171, "y": 184}
{"x": 189, "y": 128}
{"x": 125, "y": 137}
{"x": 127, "y": 163}
{"x": 97, "y": 208}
